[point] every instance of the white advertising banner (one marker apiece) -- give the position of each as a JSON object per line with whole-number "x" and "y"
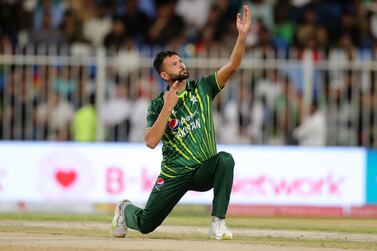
{"x": 299, "y": 176}
{"x": 99, "y": 173}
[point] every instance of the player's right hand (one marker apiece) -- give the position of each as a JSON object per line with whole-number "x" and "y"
{"x": 171, "y": 96}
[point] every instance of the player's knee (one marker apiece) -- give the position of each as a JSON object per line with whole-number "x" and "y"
{"x": 226, "y": 160}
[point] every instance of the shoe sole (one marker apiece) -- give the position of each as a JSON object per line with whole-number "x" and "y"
{"x": 115, "y": 235}
{"x": 224, "y": 238}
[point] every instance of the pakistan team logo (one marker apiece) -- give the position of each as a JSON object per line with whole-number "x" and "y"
{"x": 174, "y": 124}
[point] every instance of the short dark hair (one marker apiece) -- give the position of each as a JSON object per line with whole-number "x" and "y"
{"x": 157, "y": 62}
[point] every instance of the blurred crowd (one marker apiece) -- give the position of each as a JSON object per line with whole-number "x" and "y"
{"x": 316, "y": 24}
{"x": 265, "y": 106}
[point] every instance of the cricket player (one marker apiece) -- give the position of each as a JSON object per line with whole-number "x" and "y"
{"x": 181, "y": 117}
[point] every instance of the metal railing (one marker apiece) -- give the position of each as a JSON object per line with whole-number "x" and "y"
{"x": 297, "y": 98}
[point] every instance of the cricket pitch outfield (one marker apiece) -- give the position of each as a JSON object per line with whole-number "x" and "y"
{"x": 31, "y": 232}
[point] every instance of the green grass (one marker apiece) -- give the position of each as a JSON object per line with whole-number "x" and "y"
{"x": 56, "y": 217}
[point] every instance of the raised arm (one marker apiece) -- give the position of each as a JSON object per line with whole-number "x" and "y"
{"x": 243, "y": 26}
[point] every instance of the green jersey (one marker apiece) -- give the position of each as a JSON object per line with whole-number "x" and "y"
{"x": 189, "y": 137}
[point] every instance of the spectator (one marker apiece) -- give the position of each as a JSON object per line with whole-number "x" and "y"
{"x": 72, "y": 28}
{"x": 55, "y": 115}
{"x": 269, "y": 87}
{"x": 96, "y": 28}
{"x": 341, "y": 114}
{"x": 336, "y": 31}
{"x": 312, "y": 131}
{"x": 138, "y": 123}
{"x": 84, "y": 9}
{"x": 210, "y": 35}
{"x": 265, "y": 40}
{"x": 286, "y": 113}
{"x": 371, "y": 7}
{"x": 148, "y": 7}
{"x": 17, "y": 104}
{"x": 260, "y": 113}
{"x": 47, "y": 34}
{"x": 285, "y": 27}
{"x": 117, "y": 37}
{"x": 207, "y": 39}
{"x": 167, "y": 26}
{"x": 322, "y": 38}
{"x": 244, "y": 114}
{"x": 14, "y": 21}
{"x": 116, "y": 113}
{"x": 137, "y": 23}
{"x": 236, "y": 118}
{"x": 194, "y": 13}
{"x": 64, "y": 84}
{"x": 228, "y": 10}
{"x": 229, "y": 130}
{"x": 368, "y": 118}
{"x": 327, "y": 13}
{"x": 348, "y": 26}
{"x": 344, "y": 53}
{"x": 221, "y": 17}
{"x": 55, "y": 8}
{"x": 85, "y": 122}
{"x": 306, "y": 29}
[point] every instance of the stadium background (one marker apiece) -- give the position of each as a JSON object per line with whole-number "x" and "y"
{"x": 80, "y": 71}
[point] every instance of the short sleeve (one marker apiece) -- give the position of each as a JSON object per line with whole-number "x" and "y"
{"x": 210, "y": 85}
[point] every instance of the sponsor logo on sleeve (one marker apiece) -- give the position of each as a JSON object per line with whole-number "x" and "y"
{"x": 159, "y": 183}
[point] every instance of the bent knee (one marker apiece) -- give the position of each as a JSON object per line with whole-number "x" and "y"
{"x": 147, "y": 230}
{"x": 226, "y": 159}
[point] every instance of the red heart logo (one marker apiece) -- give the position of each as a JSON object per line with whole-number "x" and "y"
{"x": 65, "y": 178}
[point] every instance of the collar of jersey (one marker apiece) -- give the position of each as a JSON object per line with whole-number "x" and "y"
{"x": 188, "y": 86}
{"x": 182, "y": 94}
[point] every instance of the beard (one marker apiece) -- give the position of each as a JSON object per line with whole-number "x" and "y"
{"x": 183, "y": 74}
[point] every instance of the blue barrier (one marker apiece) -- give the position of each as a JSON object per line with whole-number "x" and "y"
{"x": 371, "y": 177}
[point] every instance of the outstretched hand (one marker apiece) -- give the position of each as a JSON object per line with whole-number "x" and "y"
{"x": 243, "y": 24}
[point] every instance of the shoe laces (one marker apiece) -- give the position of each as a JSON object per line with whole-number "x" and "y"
{"x": 120, "y": 220}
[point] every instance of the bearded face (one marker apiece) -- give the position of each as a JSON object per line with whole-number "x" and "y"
{"x": 174, "y": 69}
{"x": 183, "y": 74}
